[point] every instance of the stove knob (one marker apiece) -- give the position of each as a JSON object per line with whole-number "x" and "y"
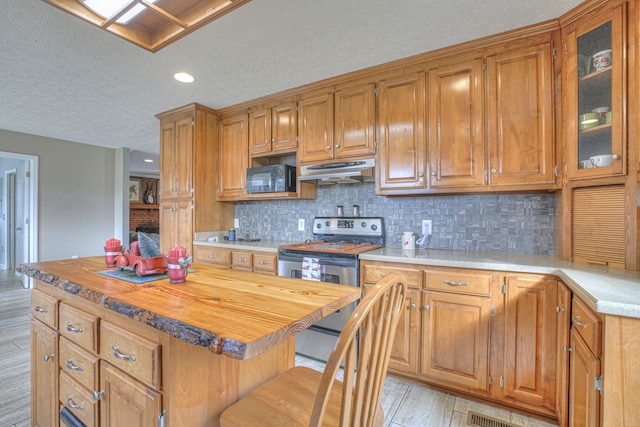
{"x": 363, "y": 224}
{"x": 327, "y": 224}
{"x": 318, "y": 225}
{"x": 374, "y": 227}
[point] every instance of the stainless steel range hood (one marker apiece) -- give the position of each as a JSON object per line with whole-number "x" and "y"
{"x": 339, "y": 173}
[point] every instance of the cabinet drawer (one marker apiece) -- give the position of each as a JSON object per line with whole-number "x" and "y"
{"x": 265, "y": 263}
{"x": 211, "y": 255}
{"x": 137, "y": 356}
{"x": 373, "y": 273}
{"x": 585, "y": 322}
{"x": 79, "y": 326}
{"x": 78, "y": 400}
{"x": 241, "y": 259}
{"x": 44, "y": 308}
{"x": 79, "y": 364}
{"x": 458, "y": 282}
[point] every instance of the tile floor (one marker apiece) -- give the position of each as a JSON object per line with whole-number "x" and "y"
{"x": 405, "y": 404}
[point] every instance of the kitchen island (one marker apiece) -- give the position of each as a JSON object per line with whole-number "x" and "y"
{"x": 179, "y": 353}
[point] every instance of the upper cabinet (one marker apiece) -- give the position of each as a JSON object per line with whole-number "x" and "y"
{"x": 315, "y": 118}
{"x": 176, "y": 156}
{"x": 402, "y": 151}
{"x": 233, "y": 156}
{"x": 520, "y": 124}
{"x": 273, "y": 130}
{"x": 593, "y": 101}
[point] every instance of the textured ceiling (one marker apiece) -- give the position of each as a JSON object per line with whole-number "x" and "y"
{"x": 64, "y": 78}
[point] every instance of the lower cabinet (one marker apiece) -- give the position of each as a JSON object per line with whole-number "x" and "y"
{"x": 127, "y": 402}
{"x": 44, "y": 375}
{"x": 243, "y": 260}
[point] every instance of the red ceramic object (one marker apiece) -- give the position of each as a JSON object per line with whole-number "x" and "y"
{"x": 177, "y": 274}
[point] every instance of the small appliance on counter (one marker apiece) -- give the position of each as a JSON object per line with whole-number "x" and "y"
{"x": 271, "y": 179}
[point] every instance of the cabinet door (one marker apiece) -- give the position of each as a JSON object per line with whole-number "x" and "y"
{"x": 404, "y": 353}
{"x": 584, "y": 400}
{"x": 563, "y": 311}
{"x": 402, "y": 147}
{"x": 530, "y": 341}
{"x": 44, "y": 376}
{"x": 260, "y": 131}
{"x": 176, "y": 219}
{"x": 284, "y": 127}
{"x": 234, "y": 157}
{"x": 588, "y": 86}
{"x": 456, "y": 141}
{"x": 127, "y": 402}
{"x": 520, "y": 112}
{"x": 355, "y": 121}
{"x": 176, "y": 157}
{"x": 455, "y": 341}
{"x": 315, "y": 117}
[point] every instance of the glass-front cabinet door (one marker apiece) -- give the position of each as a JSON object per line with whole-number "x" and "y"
{"x": 594, "y": 96}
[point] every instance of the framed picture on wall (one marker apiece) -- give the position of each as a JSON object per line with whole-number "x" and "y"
{"x": 135, "y": 191}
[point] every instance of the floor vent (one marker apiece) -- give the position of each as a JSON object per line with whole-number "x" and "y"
{"x": 478, "y": 420}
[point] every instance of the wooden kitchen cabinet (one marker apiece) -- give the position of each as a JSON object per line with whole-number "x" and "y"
{"x": 355, "y": 120}
{"x": 256, "y": 261}
{"x": 273, "y": 130}
{"x": 402, "y": 145}
{"x": 586, "y": 88}
{"x": 456, "y": 123}
{"x": 233, "y": 157}
{"x": 315, "y": 121}
{"x": 520, "y": 113}
{"x": 188, "y": 173}
{"x": 528, "y": 368}
{"x": 455, "y": 341}
{"x": 44, "y": 375}
{"x": 563, "y": 350}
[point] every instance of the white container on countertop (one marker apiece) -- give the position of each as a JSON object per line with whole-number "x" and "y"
{"x": 408, "y": 240}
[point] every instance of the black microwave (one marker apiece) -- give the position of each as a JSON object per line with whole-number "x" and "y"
{"x": 271, "y": 179}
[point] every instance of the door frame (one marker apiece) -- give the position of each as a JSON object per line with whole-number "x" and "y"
{"x": 9, "y": 210}
{"x": 30, "y": 209}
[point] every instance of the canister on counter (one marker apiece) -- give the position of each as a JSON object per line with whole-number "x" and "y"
{"x": 408, "y": 240}
{"x": 232, "y": 234}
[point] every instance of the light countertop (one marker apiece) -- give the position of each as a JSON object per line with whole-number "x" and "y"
{"x": 605, "y": 290}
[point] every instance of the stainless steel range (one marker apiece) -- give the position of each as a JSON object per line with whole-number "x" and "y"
{"x": 331, "y": 257}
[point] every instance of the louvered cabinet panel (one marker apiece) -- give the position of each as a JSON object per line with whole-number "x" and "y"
{"x": 599, "y": 226}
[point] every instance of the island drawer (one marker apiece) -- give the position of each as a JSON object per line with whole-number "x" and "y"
{"x": 212, "y": 255}
{"x": 242, "y": 259}
{"x": 44, "y": 308}
{"x": 79, "y": 326}
{"x": 374, "y": 272}
{"x": 587, "y": 325}
{"x": 134, "y": 354}
{"x": 265, "y": 263}
{"x": 79, "y": 364}
{"x": 78, "y": 400}
{"x": 458, "y": 282}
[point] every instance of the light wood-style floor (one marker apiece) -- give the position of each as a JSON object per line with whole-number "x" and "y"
{"x": 405, "y": 404}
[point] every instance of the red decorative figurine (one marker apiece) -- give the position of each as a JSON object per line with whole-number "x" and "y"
{"x": 178, "y": 263}
{"x": 112, "y": 248}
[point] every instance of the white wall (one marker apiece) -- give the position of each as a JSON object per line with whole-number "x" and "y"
{"x": 76, "y": 194}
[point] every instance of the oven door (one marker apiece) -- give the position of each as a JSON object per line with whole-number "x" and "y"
{"x": 332, "y": 271}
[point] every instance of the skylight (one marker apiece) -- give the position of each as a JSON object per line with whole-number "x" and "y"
{"x": 110, "y": 8}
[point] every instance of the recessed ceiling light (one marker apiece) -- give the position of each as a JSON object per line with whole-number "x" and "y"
{"x": 184, "y": 77}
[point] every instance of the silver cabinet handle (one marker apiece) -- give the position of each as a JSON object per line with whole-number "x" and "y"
{"x": 98, "y": 394}
{"x": 122, "y": 356}
{"x": 328, "y": 147}
{"x": 241, "y": 259}
{"x": 71, "y": 328}
{"x": 412, "y": 306}
{"x": 615, "y": 156}
{"x": 434, "y": 174}
{"x": 48, "y": 357}
{"x": 420, "y": 174}
{"x": 39, "y": 309}
{"x": 577, "y": 321}
{"x": 337, "y": 145}
{"x": 263, "y": 262}
{"x": 426, "y": 307}
{"x": 211, "y": 256}
{"x": 494, "y": 170}
{"x": 273, "y": 140}
{"x": 73, "y": 367}
{"x": 450, "y": 283}
{"x": 72, "y": 405}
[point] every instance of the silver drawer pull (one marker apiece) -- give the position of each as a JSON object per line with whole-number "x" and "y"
{"x": 98, "y": 394}
{"x": 121, "y": 356}
{"x": 211, "y": 256}
{"x": 576, "y": 320}
{"x": 241, "y": 259}
{"x": 71, "y": 328}
{"x": 412, "y": 306}
{"x": 39, "y": 309}
{"x": 48, "y": 357}
{"x": 72, "y": 405}
{"x": 263, "y": 262}
{"x": 73, "y": 367}
{"x": 450, "y": 283}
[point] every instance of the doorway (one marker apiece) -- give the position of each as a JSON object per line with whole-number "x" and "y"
{"x": 18, "y": 219}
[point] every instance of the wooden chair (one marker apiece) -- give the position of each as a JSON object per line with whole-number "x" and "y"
{"x": 304, "y": 397}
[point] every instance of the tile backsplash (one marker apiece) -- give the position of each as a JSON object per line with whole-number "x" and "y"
{"x": 517, "y": 223}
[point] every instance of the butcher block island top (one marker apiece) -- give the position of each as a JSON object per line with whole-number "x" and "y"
{"x": 234, "y": 313}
